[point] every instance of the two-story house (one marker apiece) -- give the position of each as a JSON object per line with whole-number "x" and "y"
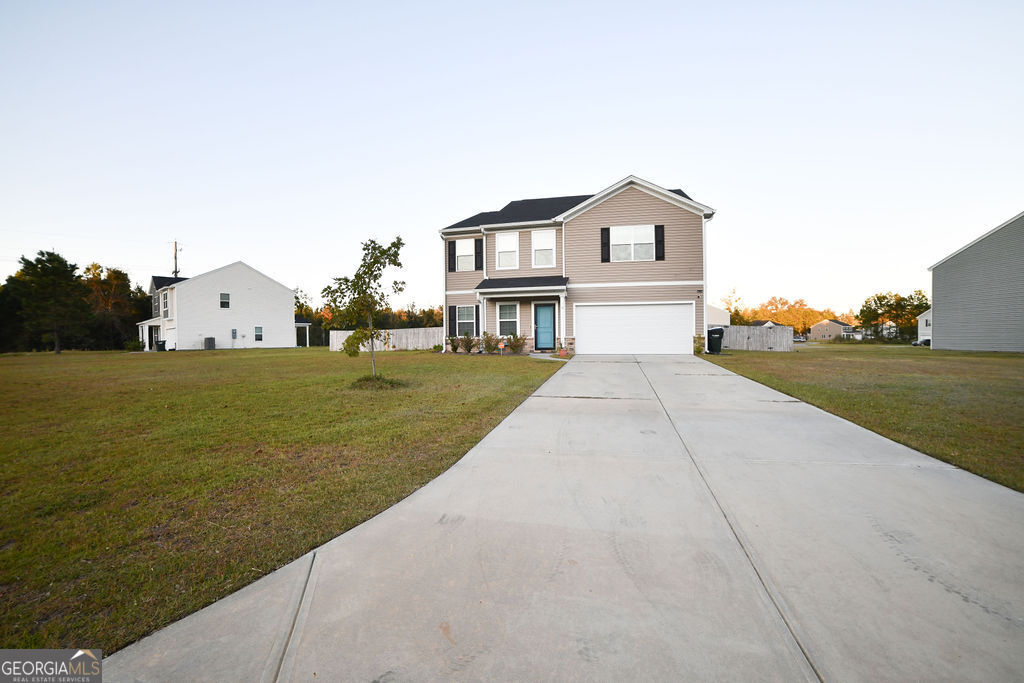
{"x": 236, "y": 306}
{"x": 620, "y": 271}
{"x": 831, "y": 329}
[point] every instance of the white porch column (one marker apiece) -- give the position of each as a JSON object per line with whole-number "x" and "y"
{"x": 561, "y": 316}
{"x": 307, "y": 336}
{"x": 483, "y": 315}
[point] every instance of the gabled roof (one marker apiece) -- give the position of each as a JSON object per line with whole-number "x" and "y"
{"x": 158, "y": 282}
{"x": 762, "y": 323}
{"x": 971, "y": 244}
{"x": 161, "y": 281}
{"x": 547, "y": 208}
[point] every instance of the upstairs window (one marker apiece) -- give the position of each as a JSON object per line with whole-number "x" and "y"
{"x": 156, "y": 304}
{"x": 507, "y": 245}
{"x": 464, "y": 255}
{"x": 225, "y": 300}
{"x": 543, "y": 248}
{"x": 259, "y": 334}
{"x": 508, "y": 319}
{"x": 632, "y": 243}
{"x": 167, "y": 308}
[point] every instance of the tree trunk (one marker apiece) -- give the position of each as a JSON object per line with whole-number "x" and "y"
{"x": 56, "y": 340}
{"x": 373, "y": 360}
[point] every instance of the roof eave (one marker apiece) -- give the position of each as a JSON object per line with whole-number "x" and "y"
{"x": 971, "y": 244}
{"x": 520, "y": 224}
{"x": 546, "y": 289}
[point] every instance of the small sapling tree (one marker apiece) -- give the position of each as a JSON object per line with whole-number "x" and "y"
{"x": 356, "y": 299}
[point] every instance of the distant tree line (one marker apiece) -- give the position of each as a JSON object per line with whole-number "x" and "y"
{"x": 878, "y": 309}
{"x": 327, "y": 318}
{"x": 48, "y": 305}
{"x": 796, "y": 314}
{"x": 892, "y": 307}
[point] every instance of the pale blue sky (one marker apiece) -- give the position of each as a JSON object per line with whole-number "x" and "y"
{"x": 846, "y": 147}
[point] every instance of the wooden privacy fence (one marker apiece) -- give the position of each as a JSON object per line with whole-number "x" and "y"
{"x": 409, "y": 339}
{"x": 745, "y": 338}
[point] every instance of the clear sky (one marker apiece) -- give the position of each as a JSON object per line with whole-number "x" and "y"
{"x": 845, "y": 146}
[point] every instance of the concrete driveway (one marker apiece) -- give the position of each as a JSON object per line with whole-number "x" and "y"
{"x": 643, "y": 518}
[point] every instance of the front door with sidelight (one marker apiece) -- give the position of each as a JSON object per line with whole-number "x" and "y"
{"x": 544, "y": 327}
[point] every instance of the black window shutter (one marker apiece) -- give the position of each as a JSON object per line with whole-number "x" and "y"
{"x": 659, "y": 242}
{"x": 478, "y": 249}
{"x": 606, "y": 245}
{"x": 451, "y": 256}
{"x": 476, "y": 329}
{"x": 452, "y": 323}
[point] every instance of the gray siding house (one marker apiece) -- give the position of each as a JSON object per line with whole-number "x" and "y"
{"x": 978, "y": 293}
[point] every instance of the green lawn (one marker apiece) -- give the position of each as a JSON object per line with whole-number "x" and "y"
{"x": 138, "y": 488}
{"x": 966, "y": 408}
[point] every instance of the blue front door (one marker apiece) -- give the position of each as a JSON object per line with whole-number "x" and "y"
{"x": 544, "y": 325}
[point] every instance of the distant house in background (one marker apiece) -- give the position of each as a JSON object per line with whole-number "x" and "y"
{"x": 830, "y": 329}
{"x": 763, "y": 323}
{"x": 717, "y": 317}
{"x": 234, "y": 307}
{"x": 978, "y": 293}
{"x": 924, "y": 325}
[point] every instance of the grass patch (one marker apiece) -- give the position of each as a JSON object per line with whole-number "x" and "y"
{"x": 379, "y": 382}
{"x": 966, "y": 408}
{"x": 138, "y": 488}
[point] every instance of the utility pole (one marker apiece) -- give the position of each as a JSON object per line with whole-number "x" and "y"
{"x": 175, "y": 271}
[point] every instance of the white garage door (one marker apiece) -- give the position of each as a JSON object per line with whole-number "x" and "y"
{"x": 635, "y": 328}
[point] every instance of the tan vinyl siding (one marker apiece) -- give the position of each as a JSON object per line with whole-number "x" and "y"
{"x": 618, "y": 294}
{"x": 467, "y": 279}
{"x": 460, "y": 299}
{"x": 684, "y": 254}
{"x": 826, "y": 330}
{"x": 978, "y": 294}
{"x": 526, "y": 268}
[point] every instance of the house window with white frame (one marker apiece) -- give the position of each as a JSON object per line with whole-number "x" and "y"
{"x": 507, "y": 246}
{"x": 465, "y": 320}
{"x": 258, "y": 336}
{"x": 167, "y": 308}
{"x": 156, "y": 305}
{"x": 632, "y": 243}
{"x": 465, "y": 255}
{"x": 225, "y": 300}
{"x": 543, "y": 248}
{"x": 508, "y": 319}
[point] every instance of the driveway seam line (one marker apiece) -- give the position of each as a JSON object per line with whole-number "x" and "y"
{"x": 732, "y": 529}
{"x": 295, "y": 619}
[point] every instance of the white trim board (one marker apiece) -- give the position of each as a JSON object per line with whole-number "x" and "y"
{"x": 662, "y": 283}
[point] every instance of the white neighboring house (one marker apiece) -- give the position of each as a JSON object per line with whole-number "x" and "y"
{"x": 924, "y": 326}
{"x": 717, "y": 317}
{"x": 236, "y": 305}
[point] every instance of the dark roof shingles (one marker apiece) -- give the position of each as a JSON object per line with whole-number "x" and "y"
{"x": 524, "y": 210}
{"x": 523, "y": 282}
{"x": 161, "y": 281}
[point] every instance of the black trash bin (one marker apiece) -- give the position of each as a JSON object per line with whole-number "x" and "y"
{"x": 161, "y": 345}
{"x": 715, "y": 336}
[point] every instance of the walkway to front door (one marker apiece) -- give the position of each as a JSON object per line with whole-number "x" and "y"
{"x": 544, "y": 327}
